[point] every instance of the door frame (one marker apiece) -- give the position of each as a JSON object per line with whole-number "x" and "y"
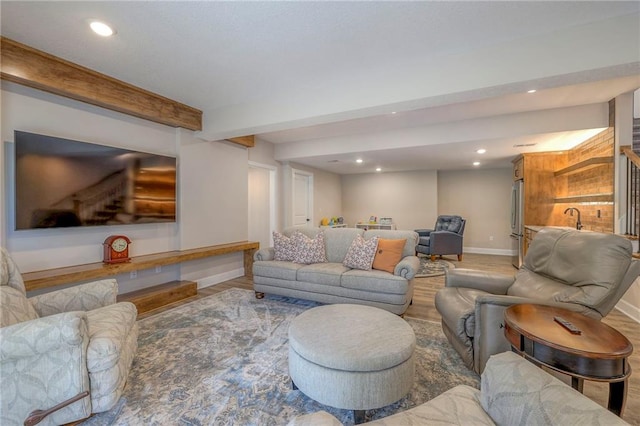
{"x": 291, "y": 192}
{"x": 272, "y": 195}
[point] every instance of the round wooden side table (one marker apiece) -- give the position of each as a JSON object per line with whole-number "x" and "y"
{"x": 591, "y": 351}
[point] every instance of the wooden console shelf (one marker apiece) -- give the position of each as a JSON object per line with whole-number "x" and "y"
{"x": 151, "y": 298}
{"x": 67, "y": 275}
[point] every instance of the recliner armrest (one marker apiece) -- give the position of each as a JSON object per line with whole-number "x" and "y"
{"x": 84, "y": 297}
{"x": 486, "y": 281}
{"x": 42, "y": 335}
{"x": 423, "y": 232}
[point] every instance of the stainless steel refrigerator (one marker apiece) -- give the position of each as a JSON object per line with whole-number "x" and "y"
{"x": 517, "y": 223}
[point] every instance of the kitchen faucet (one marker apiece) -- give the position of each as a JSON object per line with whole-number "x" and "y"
{"x": 578, "y": 223}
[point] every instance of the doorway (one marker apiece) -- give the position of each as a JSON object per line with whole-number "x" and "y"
{"x": 261, "y": 203}
{"x": 302, "y": 198}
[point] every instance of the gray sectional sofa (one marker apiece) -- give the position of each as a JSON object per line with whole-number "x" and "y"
{"x": 332, "y": 282}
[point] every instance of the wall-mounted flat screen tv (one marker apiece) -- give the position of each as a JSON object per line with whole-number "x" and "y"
{"x": 63, "y": 183}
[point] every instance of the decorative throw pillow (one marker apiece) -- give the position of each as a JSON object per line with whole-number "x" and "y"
{"x": 388, "y": 254}
{"x": 14, "y": 307}
{"x": 284, "y": 247}
{"x": 309, "y": 250}
{"x": 361, "y": 252}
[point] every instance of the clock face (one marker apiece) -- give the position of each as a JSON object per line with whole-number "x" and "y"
{"x": 119, "y": 245}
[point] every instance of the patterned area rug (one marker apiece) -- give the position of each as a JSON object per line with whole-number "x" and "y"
{"x": 432, "y": 269}
{"x": 223, "y": 360}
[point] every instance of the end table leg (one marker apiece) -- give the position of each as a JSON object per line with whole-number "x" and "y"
{"x": 577, "y": 384}
{"x": 617, "y": 397}
{"x": 358, "y": 416}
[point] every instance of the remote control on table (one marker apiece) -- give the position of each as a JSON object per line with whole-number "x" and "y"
{"x": 566, "y": 324}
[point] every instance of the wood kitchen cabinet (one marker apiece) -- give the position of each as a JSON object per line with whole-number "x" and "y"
{"x": 539, "y": 189}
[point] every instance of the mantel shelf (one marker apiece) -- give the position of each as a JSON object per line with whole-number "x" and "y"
{"x": 584, "y": 165}
{"x": 71, "y": 274}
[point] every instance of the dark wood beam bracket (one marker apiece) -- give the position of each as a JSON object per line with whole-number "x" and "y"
{"x": 33, "y": 68}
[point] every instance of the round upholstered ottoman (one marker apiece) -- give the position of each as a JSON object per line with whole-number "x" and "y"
{"x": 351, "y": 357}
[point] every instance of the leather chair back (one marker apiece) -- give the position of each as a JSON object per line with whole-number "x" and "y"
{"x": 586, "y": 268}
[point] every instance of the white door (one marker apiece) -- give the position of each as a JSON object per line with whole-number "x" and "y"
{"x": 302, "y": 198}
{"x": 261, "y": 205}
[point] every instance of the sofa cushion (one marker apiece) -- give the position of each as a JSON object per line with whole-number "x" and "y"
{"x": 276, "y": 269}
{"x": 309, "y": 250}
{"x": 374, "y": 281}
{"x": 284, "y": 247}
{"x": 361, "y": 252}
{"x": 516, "y": 392}
{"x": 14, "y": 307}
{"x": 411, "y": 237}
{"x": 388, "y": 254}
{"x": 337, "y": 242}
{"x": 322, "y": 273}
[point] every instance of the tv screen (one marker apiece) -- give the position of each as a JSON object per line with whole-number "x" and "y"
{"x": 63, "y": 183}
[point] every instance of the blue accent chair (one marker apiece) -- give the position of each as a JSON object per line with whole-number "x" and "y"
{"x": 445, "y": 238}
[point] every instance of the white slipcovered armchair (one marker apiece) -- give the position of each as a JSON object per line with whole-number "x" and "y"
{"x": 62, "y": 345}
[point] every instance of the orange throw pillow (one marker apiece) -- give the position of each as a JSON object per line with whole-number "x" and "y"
{"x": 388, "y": 254}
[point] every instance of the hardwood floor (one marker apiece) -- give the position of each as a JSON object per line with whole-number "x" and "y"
{"x": 423, "y": 308}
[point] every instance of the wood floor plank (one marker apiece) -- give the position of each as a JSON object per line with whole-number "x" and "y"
{"x": 423, "y": 308}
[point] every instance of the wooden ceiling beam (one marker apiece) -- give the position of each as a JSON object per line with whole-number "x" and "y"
{"x": 248, "y": 141}
{"x": 33, "y": 68}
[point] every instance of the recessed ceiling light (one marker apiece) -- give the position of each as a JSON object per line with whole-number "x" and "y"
{"x": 531, "y": 91}
{"x": 476, "y": 163}
{"x": 378, "y": 169}
{"x": 359, "y": 160}
{"x": 101, "y": 28}
{"x": 394, "y": 112}
{"x": 481, "y": 151}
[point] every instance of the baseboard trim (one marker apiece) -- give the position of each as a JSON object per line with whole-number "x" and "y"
{"x": 629, "y": 310}
{"x": 219, "y": 278}
{"x": 480, "y": 250}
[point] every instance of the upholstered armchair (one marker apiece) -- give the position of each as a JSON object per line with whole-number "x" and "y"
{"x": 444, "y": 238}
{"x": 67, "y": 353}
{"x": 586, "y": 272}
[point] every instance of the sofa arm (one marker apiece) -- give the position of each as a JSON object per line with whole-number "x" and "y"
{"x": 42, "y": 335}
{"x": 84, "y": 297}
{"x": 513, "y": 388}
{"x": 407, "y": 267}
{"x": 490, "y": 282}
{"x": 264, "y": 254}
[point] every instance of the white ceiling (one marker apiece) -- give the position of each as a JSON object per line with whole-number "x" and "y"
{"x": 320, "y": 79}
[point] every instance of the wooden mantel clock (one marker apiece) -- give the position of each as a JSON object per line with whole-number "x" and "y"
{"x": 116, "y": 249}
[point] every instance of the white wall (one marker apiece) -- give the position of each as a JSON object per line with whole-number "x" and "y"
{"x": 409, "y": 198}
{"x": 482, "y": 197}
{"x": 212, "y": 190}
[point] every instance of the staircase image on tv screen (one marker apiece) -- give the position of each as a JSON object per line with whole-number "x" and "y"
{"x": 69, "y": 183}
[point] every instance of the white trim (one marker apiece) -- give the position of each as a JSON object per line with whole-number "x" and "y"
{"x": 273, "y": 175}
{"x": 629, "y": 310}
{"x": 481, "y": 250}
{"x": 219, "y": 278}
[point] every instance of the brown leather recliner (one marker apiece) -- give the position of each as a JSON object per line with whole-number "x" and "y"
{"x": 586, "y": 272}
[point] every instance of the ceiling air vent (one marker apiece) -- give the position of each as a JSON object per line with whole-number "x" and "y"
{"x": 333, "y": 161}
{"x": 521, "y": 145}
